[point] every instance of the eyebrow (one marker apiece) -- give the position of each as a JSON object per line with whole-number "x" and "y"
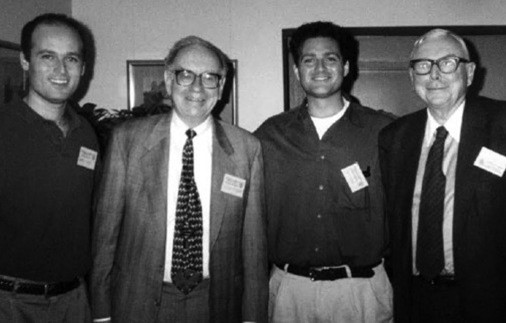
{"x": 48, "y": 51}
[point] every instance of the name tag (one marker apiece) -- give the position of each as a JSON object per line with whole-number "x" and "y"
{"x": 87, "y": 158}
{"x": 354, "y": 177}
{"x": 233, "y": 185}
{"x": 491, "y": 161}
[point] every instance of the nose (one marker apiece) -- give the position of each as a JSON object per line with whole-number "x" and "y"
{"x": 319, "y": 65}
{"x": 60, "y": 66}
{"x": 197, "y": 84}
{"x": 435, "y": 73}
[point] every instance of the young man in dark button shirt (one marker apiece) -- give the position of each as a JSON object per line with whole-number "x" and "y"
{"x": 324, "y": 195}
{"x": 48, "y": 159}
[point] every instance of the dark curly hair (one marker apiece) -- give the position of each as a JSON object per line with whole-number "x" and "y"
{"x": 324, "y": 29}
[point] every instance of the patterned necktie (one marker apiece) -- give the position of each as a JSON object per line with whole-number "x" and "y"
{"x": 186, "y": 270}
{"x": 429, "y": 251}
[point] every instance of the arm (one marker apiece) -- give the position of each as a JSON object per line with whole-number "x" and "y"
{"x": 106, "y": 225}
{"x": 255, "y": 295}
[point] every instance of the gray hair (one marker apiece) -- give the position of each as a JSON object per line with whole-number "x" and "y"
{"x": 438, "y": 33}
{"x": 196, "y": 41}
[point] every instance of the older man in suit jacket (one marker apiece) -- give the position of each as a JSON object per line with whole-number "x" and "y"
{"x": 443, "y": 168}
{"x": 179, "y": 234}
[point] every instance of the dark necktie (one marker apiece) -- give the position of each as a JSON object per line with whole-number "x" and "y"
{"x": 429, "y": 251}
{"x": 186, "y": 270}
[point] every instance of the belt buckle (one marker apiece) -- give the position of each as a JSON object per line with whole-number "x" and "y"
{"x": 313, "y": 273}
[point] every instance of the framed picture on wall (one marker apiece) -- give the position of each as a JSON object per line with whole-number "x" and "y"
{"x": 146, "y": 86}
{"x": 12, "y": 77}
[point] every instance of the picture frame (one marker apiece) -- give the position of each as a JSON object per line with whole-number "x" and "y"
{"x": 12, "y": 77}
{"x": 145, "y": 85}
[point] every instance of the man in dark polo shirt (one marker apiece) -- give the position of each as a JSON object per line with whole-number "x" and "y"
{"x": 324, "y": 195}
{"x": 48, "y": 160}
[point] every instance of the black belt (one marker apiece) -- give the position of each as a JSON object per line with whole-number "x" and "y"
{"x": 330, "y": 273}
{"x": 441, "y": 280}
{"x": 34, "y": 288}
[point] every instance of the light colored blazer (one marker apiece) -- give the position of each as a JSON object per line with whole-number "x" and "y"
{"x": 130, "y": 226}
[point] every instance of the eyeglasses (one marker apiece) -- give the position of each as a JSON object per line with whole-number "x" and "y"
{"x": 446, "y": 65}
{"x": 186, "y": 78}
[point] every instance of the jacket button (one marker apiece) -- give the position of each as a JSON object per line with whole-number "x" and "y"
{"x": 157, "y": 303}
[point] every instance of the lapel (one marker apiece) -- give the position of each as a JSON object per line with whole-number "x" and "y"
{"x": 154, "y": 161}
{"x": 473, "y": 136}
{"x": 223, "y": 163}
{"x": 411, "y": 145}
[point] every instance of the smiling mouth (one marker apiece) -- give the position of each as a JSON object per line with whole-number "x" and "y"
{"x": 59, "y": 81}
{"x": 192, "y": 99}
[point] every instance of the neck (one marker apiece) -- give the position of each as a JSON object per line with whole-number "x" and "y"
{"x": 49, "y": 111}
{"x": 326, "y": 107}
{"x": 441, "y": 115}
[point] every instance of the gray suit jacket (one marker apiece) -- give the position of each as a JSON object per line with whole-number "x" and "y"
{"x": 130, "y": 226}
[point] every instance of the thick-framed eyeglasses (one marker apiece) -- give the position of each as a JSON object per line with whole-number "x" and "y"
{"x": 446, "y": 65}
{"x": 187, "y": 77}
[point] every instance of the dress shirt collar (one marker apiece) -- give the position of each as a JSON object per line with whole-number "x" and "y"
{"x": 179, "y": 127}
{"x": 452, "y": 125}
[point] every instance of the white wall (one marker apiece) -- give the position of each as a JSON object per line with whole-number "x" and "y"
{"x": 15, "y": 13}
{"x": 248, "y": 30}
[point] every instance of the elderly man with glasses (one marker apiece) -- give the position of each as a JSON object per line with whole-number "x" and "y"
{"x": 443, "y": 171}
{"x": 179, "y": 234}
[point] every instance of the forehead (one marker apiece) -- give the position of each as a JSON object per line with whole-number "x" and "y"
{"x": 198, "y": 59}
{"x": 320, "y": 44}
{"x": 55, "y": 37}
{"x": 438, "y": 47}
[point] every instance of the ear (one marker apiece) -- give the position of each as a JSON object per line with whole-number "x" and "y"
{"x": 411, "y": 76}
{"x": 470, "y": 68}
{"x": 25, "y": 65}
{"x": 223, "y": 81}
{"x": 346, "y": 68}
{"x": 83, "y": 69}
{"x": 296, "y": 72}
{"x": 168, "y": 76}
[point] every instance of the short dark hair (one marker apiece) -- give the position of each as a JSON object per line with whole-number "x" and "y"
{"x": 50, "y": 19}
{"x": 316, "y": 29}
{"x": 196, "y": 41}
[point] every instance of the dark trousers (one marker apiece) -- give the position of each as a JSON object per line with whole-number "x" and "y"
{"x": 70, "y": 307}
{"x": 177, "y": 307}
{"x": 437, "y": 303}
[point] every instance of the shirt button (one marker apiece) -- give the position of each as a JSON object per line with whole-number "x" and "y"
{"x": 320, "y": 187}
{"x": 319, "y": 216}
{"x": 322, "y": 157}
{"x": 316, "y": 249}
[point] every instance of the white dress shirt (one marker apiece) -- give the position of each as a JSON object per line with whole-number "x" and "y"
{"x": 453, "y": 126}
{"x": 202, "y": 165}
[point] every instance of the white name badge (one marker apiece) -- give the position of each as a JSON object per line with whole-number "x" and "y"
{"x": 233, "y": 185}
{"x": 354, "y": 177}
{"x": 491, "y": 161}
{"x": 87, "y": 158}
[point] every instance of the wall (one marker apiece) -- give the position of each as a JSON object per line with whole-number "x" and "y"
{"x": 15, "y": 13}
{"x": 249, "y": 31}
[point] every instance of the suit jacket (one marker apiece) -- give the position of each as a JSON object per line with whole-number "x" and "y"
{"x": 130, "y": 226}
{"x": 479, "y": 220}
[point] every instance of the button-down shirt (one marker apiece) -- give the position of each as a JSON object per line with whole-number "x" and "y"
{"x": 314, "y": 219}
{"x": 453, "y": 126}
{"x": 202, "y": 164}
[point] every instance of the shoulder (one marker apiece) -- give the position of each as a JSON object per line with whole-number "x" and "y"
{"x": 237, "y": 136}
{"x": 278, "y": 123}
{"x": 376, "y": 119}
{"x": 141, "y": 127}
